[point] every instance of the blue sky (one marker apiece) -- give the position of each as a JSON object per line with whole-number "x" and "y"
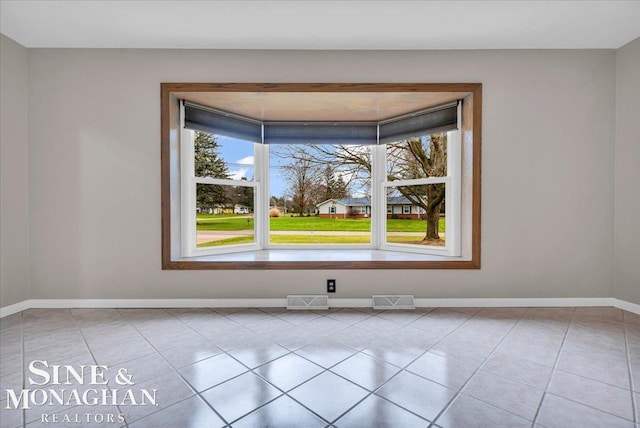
{"x": 238, "y": 155}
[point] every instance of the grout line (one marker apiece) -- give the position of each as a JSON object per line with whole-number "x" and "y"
{"x": 304, "y": 406}
{"x": 327, "y": 370}
{"x": 324, "y": 370}
{"x": 227, "y": 352}
{"x": 402, "y": 369}
{"x": 634, "y": 402}
{"x": 24, "y": 375}
{"x": 571, "y": 324}
{"x": 555, "y": 366}
{"x": 284, "y": 393}
{"x": 95, "y": 361}
{"x": 482, "y": 364}
{"x": 592, "y": 380}
{"x": 161, "y": 356}
{"x": 174, "y": 369}
{"x": 591, "y": 407}
{"x": 555, "y": 370}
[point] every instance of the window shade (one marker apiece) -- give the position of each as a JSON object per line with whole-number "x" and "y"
{"x": 439, "y": 119}
{"x": 203, "y": 119}
{"x": 432, "y": 121}
{"x": 363, "y": 133}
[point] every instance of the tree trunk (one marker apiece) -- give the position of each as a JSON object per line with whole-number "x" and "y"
{"x": 433, "y": 218}
{"x": 435, "y": 194}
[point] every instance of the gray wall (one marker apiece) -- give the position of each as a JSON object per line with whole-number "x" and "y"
{"x": 94, "y": 151}
{"x": 14, "y": 214}
{"x": 627, "y": 170}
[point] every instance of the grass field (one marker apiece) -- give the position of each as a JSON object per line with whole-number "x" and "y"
{"x": 230, "y": 241}
{"x": 316, "y": 224}
{"x": 308, "y": 239}
{"x": 228, "y": 222}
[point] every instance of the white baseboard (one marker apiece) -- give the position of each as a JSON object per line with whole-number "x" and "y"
{"x": 15, "y": 308}
{"x": 627, "y": 306}
{"x": 350, "y": 303}
{"x": 333, "y": 302}
{"x": 515, "y": 302}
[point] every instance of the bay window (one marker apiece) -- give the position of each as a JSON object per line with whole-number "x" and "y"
{"x": 252, "y": 182}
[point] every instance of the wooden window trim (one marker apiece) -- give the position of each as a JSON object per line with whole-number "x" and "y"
{"x": 166, "y": 91}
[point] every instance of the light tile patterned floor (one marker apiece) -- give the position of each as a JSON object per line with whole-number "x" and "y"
{"x": 445, "y": 367}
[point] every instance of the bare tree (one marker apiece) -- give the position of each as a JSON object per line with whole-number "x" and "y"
{"x": 337, "y": 166}
{"x": 303, "y": 178}
{"x": 407, "y": 159}
{"x": 421, "y": 158}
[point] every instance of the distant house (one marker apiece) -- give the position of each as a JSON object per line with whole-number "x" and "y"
{"x": 215, "y": 209}
{"x": 397, "y": 207}
{"x": 241, "y": 209}
{"x": 401, "y": 207}
{"x": 345, "y": 207}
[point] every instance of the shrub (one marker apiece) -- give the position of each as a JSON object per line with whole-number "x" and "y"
{"x": 395, "y": 216}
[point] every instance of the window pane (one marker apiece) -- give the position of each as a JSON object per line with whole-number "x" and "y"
{"x": 412, "y": 219}
{"x": 419, "y": 157}
{"x": 320, "y": 194}
{"x": 224, "y": 215}
{"x": 218, "y": 156}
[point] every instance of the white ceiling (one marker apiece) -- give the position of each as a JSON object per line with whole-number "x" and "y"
{"x": 321, "y": 24}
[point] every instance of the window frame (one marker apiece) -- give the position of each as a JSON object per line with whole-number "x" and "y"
{"x": 268, "y": 245}
{"x": 171, "y": 150}
{"x": 189, "y": 182}
{"x": 453, "y": 202}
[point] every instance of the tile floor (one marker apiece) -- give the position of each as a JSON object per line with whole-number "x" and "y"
{"x": 445, "y": 367}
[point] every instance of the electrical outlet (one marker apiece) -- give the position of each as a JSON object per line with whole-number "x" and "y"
{"x": 331, "y": 285}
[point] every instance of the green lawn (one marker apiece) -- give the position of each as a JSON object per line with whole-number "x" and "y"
{"x": 320, "y": 224}
{"x": 308, "y": 224}
{"x": 224, "y": 223}
{"x": 230, "y": 241}
{"x": 309, "y": 239}
{"x": 227, "y": 222}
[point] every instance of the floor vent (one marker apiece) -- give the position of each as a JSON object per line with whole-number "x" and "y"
{"x": 307, "y": 301}
{"x": 398, "y": 301}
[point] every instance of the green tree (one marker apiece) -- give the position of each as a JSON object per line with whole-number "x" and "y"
{"x": 333, "y": 185}
{"x": 241, "y": 195}
{"x": 208, "y": 163}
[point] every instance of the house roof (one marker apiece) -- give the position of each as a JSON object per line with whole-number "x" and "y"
{"x": 355, "y": 202}
{"x": 398, "y": 200}
{"x": 351, "y": 202}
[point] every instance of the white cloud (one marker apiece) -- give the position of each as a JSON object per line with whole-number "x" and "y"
{"x": 248, "y": 160}
{"x": 241, "y": 172}
{"x": 238, "y": 174}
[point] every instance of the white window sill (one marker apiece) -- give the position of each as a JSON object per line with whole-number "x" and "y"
{"x": 321, "y": 259}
